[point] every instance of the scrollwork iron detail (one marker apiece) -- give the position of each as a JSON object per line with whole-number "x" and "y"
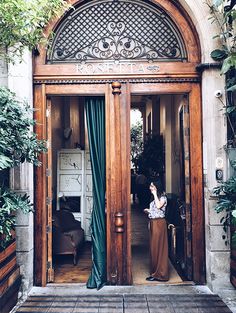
{"x": 118, "y": 48}
{"x": 123, "y": 30}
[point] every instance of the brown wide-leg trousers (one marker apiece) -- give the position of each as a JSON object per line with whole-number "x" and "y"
{"x": 159, "y": 262}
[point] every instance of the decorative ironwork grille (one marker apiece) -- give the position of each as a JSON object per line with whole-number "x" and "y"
{"x": 117, "y": 30}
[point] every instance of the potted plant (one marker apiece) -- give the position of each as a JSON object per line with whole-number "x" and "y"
{"x": 136, "y": 142}
{"x": 18, "y": 143}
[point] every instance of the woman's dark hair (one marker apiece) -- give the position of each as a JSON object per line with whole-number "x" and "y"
{"x": 159, "y": 187}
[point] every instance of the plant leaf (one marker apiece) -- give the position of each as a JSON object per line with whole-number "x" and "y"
{"x": 232, "y": 88}
{"x": 229, "y": 63}
{"x": 217, "y": 3}
{"x": 218, "y": 54}
{"x": 233, "y": 240}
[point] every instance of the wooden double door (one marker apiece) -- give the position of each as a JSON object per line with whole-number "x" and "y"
{"x": 118, "y": 213}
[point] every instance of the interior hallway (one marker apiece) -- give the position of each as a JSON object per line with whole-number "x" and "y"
{"x": 66, "y": 272}
{"x": 140, "y": 250}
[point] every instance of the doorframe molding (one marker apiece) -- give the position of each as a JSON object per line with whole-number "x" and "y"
{"x": 40, "y": 192}
{"x": 134, "y": 80}
{"x": 196, "y": 166}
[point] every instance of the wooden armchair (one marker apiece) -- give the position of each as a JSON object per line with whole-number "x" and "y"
{"x": 68, "y": 235}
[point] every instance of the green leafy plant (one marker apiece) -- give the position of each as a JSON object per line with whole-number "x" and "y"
{"x": 22, "y": 24}
{"x": 10, "y": 202}
{"x": 18, "y": 143}
{"x": 224, "y": 15}
{"x": 136, "y": 142}
{"x": 151, "y": 160}
{"x": 226, "y": 193}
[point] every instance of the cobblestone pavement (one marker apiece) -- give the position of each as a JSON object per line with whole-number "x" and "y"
{"x": 125, "y": 303}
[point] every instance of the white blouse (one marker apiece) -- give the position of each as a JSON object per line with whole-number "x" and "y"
{"x": 154, "y": 212}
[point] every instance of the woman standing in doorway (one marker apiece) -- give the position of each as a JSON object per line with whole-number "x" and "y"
{"x": 158, "y": 234}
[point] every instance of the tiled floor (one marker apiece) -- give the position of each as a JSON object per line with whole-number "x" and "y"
{"x": 126, "y": 303}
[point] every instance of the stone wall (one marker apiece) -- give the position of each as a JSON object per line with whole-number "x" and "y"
{"x": 3, "y": 73}
{"x": 18, "y": 78}
{"x": 214, "y": 138}
{"x": 217, "y": 253}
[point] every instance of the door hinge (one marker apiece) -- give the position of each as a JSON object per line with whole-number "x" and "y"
{"x": 186, "y": 156}
{"x": 48, "y": 143}
{"x": 48, "y": 200}
{"x": 48, "y": 172}
{"x": 49, "y": 265}
{"x": 189, "y": 236}
{"x": 188, "y": 207}
{"x": 48, "y": 229}
{"x": 50, "y": 273}
{"x": 48, "y": 112}
{"x": 186, "y": 108}
{"x": 187, "y": 182}
{"x": 189, "y": 261}
{"x": 187, "y": 131}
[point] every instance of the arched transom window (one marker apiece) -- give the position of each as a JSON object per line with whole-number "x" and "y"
{"x": 117, "y": 30}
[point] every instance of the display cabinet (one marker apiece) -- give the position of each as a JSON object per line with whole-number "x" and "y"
{"x": 74, "y": 185}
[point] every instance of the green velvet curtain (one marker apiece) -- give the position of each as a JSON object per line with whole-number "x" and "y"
{"x": 95, "y": 116}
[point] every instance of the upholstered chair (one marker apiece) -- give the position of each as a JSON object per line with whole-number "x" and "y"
{"x": 68, "y": 236}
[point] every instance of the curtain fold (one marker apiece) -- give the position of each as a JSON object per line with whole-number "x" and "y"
{"x": 95, "y": 116}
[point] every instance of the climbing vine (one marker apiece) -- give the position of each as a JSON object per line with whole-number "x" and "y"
{"x": 22, "y": 24}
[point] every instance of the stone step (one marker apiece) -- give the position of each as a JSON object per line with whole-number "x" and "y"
{"x": 126, "y": 303}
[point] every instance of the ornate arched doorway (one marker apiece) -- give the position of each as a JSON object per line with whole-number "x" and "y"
{"x": 117, "y": 49}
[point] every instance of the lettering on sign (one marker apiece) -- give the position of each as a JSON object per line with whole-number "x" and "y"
{"x": 113, "y": 68}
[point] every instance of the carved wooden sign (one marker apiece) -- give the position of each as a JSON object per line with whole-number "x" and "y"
{"x": 116, "y": 68}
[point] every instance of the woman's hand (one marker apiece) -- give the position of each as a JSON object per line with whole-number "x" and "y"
{"x": 154, "y": 191}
